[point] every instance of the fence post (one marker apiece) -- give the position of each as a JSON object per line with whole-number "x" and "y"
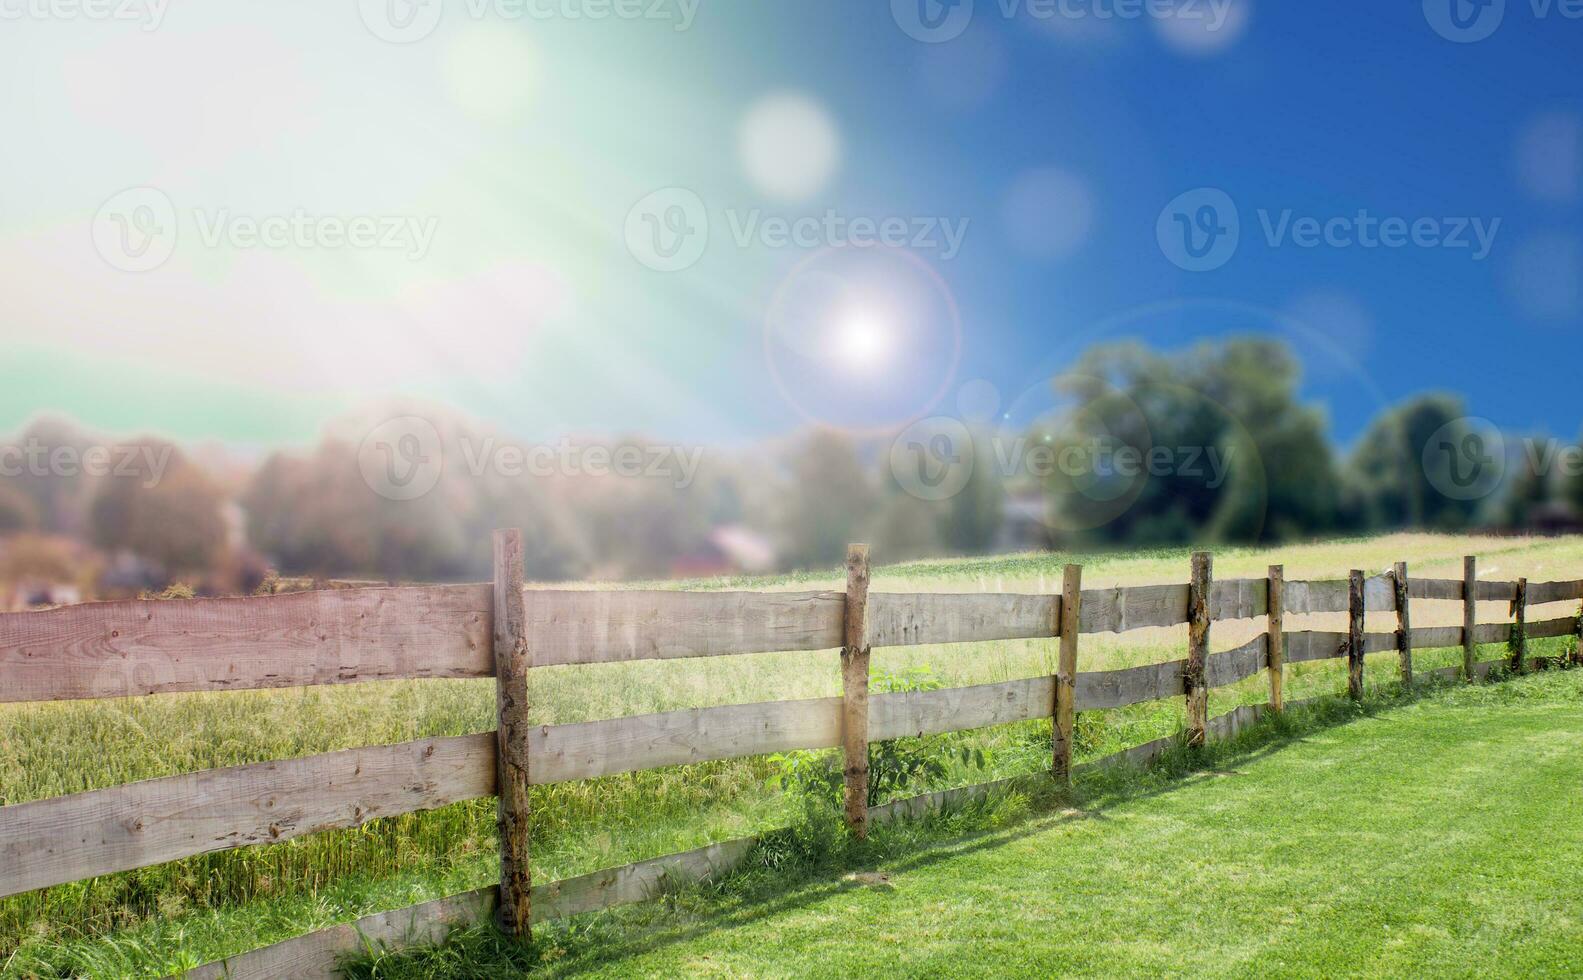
{"x": 511, "y": 734}
{"x": 1066, "y": 670}
{"x": 1277, "y": 612}
{"x": 1520, "y": 626}
{"x": 1355, "y": 610}
{"x": 1198, "y": 647}
{"x": 1404, "y": 623}
{"x": 1470, "y": 613}
{"x": 854, "y": 689}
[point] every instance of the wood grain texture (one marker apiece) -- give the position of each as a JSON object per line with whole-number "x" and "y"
{"x": 1231, "y": 666}
{"x": 911, "y": 713}
{"x": 138, "y": 647}
{"x": 1436, "y": 637}
{"x": 1497, "y": 591}
{"x": 906, "y": 619}
{"x": 572, "y": 627}
{"x": 1277, "y": 646}
{"x": 1435, "y": 588}
{"x": 1119, "y": 610}
{"x": 1330, "y": 596}
{"x": 1492, "y": 633}
{"x": 67, "y": 838}
{"x": 1132, "y": 685}
{"x": 1239, "y": 598}
{"x": 1540, "y": 593}
{"x": 513, "y": 808}
{"x": 1470, "y": 616}
{"x": 854, "y": 689}
{"x": 1355, "y": 610}
{"x": 1553, "y": 627}
{"x": 1194, "y": 674}
{"x": 637, "y": 882}
{"x": 1404, "y": 625}
{"x": 1306, "y": 645}
{"x": 1066, "y": 673}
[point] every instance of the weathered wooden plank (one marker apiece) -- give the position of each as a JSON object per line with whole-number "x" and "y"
{"x": 1066, "y": 673}
{"x": 854, "y": 689}
{"x": 514, "y": 806}
{"x": 1492, "y": 632}
{"x": 912, "y": 713}
{"x": 1275, "y": 641}
{"x": 1194, "y": 674}
{"x": 138, "y": 646}
{"x": 1119, "y": 610}
{"x": 601, "y": 748}
{"x": 1519, "y": 639}
{"x": 1239, "y": 598}
{"x": 637, "y": 882}
{"x": 67, "y": 838}
{"x": 1540, "y": 593}
{"x": 571, "y": 627}
{"x": 1433, "y": 637}
{"x": 1553, "y": 627}
{"x": 1379, "y": 642}
{"x": 1497, "y": 591}
{"x": 906, "y": 619}
{"x": 1470, "y": 616}
{"x": 1435, "y": 588}
{"x": 1480, "y": 671}
{"x": 1404, "y": 625}
{"x": 1330, "y": 596}
{"x": 1305, "y": 645}
{"x": 1231, "y": 666}
{"x": 1119, "y": 688}
{"x": 1355, "y": 611}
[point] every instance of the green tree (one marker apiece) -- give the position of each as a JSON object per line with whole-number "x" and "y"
{"x": 828, "y": 500}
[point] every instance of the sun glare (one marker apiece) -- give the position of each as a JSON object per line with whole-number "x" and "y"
{"x": 861, "y": 342}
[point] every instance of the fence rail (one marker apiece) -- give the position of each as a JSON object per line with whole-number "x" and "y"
{"x": 119, "y": 649}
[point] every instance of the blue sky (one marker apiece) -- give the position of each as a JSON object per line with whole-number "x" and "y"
{"x": 503, "y": 162}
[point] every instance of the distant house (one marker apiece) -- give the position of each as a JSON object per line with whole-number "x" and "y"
{"x": 730, "y": 549}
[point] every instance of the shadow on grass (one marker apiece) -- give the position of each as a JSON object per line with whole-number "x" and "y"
{"x": 802, "y": 866}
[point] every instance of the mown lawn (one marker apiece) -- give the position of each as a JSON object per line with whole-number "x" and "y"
{"x": 1442, "y": 836}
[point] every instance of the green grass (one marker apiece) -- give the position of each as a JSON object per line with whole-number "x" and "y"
{"x": 151, "y": 921}
{"x": 1438, "y": 836}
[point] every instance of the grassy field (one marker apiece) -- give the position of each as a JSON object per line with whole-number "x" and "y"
{"x": 1436, "y": 837}
{"x": 151, "y": 921}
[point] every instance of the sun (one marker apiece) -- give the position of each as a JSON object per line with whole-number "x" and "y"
{"x": 861, "y": 342}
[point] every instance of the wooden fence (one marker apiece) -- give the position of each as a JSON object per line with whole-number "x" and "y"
{"x": 501, "y": 630}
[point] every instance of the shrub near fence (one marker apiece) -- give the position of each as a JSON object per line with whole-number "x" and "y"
{"x": 501, "y": 630}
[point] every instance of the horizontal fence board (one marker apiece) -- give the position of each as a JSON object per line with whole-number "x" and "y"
{"x": 67, "y": 838}
{"x": 1480, "y": 671}
{"x": 1307, "y": 645}
{"x": 1378, "y": 642}
{"x": 1434, "y": 588}
{"x": 1540, "y": 593}
{"x": 1239, "y": 598}
{"x": 902, "y": 619}
{"x": 1493, "y": 591}
{"x": 1119, "y": 688}
{"x": 1330, "y": 596}
{"x": 1551, "y": 627}
{"x": 1492, "y": 632}
{"x": 601, "y": 748}
{"x": 1243, "y": 662}
{"x": 955, "y": 709}
{"x": 151, "y": 646}
{"x": 636, "y": 882}
{"x": 1431, "y": 637}
{"x": 1119, "y": 610}
{"x": 572, "y": 627}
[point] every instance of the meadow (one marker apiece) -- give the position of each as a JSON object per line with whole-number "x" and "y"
{"x": 156, "y": 920}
